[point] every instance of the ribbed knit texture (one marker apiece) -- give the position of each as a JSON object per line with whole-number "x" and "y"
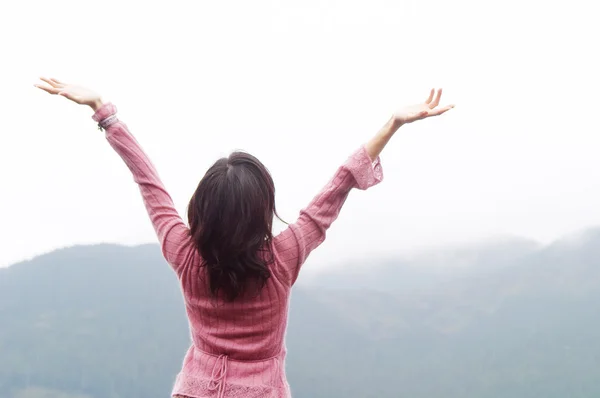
{"x": 238, "y": 348}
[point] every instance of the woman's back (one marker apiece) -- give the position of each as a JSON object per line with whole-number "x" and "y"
{"x": 239, "y": 344}
{"x": 250, "y": 328}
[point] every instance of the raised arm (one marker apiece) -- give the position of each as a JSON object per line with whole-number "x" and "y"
{"x": 173, "y": 235}
{"x": 362, "y": 170}
{"x": 294, "y": 244}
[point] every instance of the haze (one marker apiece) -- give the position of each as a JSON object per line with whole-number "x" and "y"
{"x": 301, "y": 85}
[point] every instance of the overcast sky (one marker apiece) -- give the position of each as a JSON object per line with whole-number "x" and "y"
{"x": 301, "y": 84}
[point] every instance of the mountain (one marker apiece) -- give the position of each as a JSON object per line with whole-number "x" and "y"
{"x": 501, "y": 319}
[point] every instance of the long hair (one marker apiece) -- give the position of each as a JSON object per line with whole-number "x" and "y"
{"x": 231, "y": 217}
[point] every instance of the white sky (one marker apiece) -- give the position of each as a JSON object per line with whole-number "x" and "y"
{"x": 301, "y": 84}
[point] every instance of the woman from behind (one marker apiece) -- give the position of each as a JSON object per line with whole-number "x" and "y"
{"x": 235, "y": 276}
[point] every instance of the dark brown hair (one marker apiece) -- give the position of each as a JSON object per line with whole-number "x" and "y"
{"x": 230, "y": 217}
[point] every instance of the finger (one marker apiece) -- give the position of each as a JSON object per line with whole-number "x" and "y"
{"x": 436, "y": 101}
{"x": 439, "y": 111}
{"x": 59, "y": 83}
{"x": 430, "y": 96}
{"x": 49, "y": 81}
{"x": 47, "y": 89}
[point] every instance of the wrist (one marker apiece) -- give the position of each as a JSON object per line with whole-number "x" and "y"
{"x": 394, "y": 124}
{"x": 96, "y": 104}
{"x": 390, "y": 128}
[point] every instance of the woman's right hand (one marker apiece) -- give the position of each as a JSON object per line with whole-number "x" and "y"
{"x": 79, "y": 95}
{"x": 421, "y": 111}
{"x": 404, "y": 116}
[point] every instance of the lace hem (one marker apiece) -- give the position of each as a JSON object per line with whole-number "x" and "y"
{"x": 104, "y": 112}
{"x": 194, "y": 388}
{"x": 367, "y": 173}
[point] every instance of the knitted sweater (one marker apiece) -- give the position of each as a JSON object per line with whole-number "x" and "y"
{"x": 238, "y": 348}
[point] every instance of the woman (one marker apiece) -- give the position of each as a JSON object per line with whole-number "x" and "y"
{"x": 235, "y": 276}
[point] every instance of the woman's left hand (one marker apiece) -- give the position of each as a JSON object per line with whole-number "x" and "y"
{"x": 77, "y": 94}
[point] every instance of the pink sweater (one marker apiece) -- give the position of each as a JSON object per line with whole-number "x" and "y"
{"x": 238, "y": 349}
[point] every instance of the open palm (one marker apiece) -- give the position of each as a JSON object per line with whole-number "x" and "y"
{"x": 77, "y": 94}
{"x": 421, "y": 111}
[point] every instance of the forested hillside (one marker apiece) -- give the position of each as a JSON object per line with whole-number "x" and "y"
{"x": 506, "y": 319}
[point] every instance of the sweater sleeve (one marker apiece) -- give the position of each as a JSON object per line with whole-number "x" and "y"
{"x": 294, "y": 244}
{"x": 173, "y": 235}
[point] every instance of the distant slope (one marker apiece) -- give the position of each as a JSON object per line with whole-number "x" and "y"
{"x": 510, "y": 319}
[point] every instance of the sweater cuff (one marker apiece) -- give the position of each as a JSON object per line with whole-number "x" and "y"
{"x": 367, "y": 173}
{"x": 105, "y": 115}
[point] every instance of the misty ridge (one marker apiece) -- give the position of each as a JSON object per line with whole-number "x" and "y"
{"x": 496, "y": 319}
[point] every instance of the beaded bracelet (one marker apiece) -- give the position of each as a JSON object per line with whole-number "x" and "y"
{"x": 105, "y": 123}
